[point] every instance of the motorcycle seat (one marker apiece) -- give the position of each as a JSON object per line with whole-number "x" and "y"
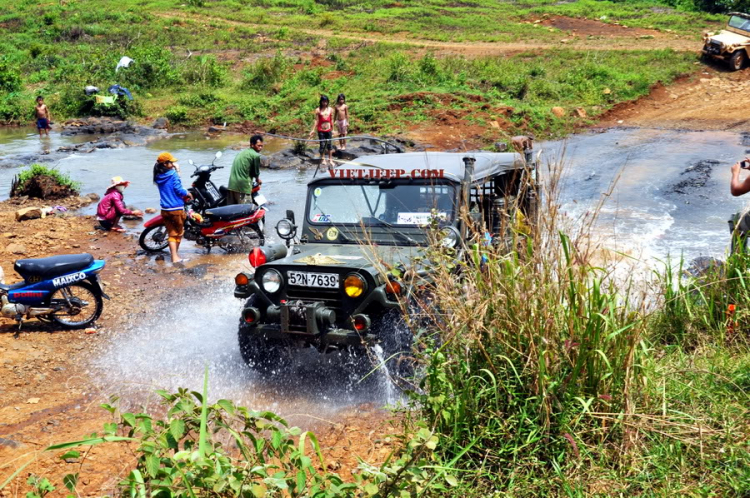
{"x": 52, "y": 266}
{"x": 232, "y": 212}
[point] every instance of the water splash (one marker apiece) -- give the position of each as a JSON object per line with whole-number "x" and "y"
{"x": 170, "y": 348}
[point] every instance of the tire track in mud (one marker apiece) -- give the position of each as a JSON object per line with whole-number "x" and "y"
{"x": 474, "y": 49}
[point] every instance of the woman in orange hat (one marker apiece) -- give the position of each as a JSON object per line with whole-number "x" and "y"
{"x": 173, "y": 198}
{"x": 111, "y": 208}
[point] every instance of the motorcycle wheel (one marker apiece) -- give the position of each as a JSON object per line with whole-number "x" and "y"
{"x": 80, "y": 305}
{"x": 242, "y": 239}
{"x": 265, "y": 356}
{"x": 154, "y": 238}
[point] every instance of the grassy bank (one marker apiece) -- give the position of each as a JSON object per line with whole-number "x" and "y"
{"x": 198, "y": 71}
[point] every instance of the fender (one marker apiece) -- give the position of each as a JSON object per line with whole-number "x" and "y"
{"x": 155, "y": 221}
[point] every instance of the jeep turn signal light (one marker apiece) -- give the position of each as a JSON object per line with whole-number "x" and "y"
{"x": 251, "y": 315}
{"x": 393, "y": 287}
{"x": 361, "y": 322}
{"x": 241, "y": 279}
{"x": 354, "y": 286}
{"x": 256, "y": 257}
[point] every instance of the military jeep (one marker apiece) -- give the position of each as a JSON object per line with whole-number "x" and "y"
{"x": 731, "y": 44}
{"x": 361, "y": 246}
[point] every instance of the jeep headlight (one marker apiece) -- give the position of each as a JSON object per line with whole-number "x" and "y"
{"x": 271, "y": 281}
{"x": 354, "y": 285}
{"x": 449, "y": 237}
{"x": 286, "y": 229}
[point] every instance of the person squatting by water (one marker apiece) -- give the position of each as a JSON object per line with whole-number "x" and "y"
{"x": 324, "y": 125}
{"x": 111, "y": 208}
{"x": 43, "y": 118}
{"x": 341, "y": 116}
{"x": 172, "y": 199}
{"x": 245, "y": 169}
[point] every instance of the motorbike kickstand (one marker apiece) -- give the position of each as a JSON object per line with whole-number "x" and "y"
{"x": 19, "y": 319}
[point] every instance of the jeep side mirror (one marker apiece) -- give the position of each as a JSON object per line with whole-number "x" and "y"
{"x": 290, "y": 216}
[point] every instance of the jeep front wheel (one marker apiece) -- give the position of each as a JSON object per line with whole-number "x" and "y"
{"x": 737, "y": 60}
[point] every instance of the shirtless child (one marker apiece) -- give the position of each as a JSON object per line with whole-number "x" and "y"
{"x": 42, "y": 116}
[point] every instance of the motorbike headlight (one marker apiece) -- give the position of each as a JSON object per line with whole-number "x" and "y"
{"x": 449, "y": 237}
{"x": 285, "y": 229}
{"x": 271, "y": 281}
{"x": 354, "y": 285}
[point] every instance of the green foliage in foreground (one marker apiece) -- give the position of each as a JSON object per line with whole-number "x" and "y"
{"x": 557, "y": 374}
{"x": 35, "y": 170}
{"x": 221, "y": 449}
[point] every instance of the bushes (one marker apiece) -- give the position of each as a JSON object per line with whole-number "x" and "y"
{"x": 10, "y": 77}
{"x": 42, "y": 182}
{"x": 153, "y": 67}
{"x": 265, "y": 72}
{"x": 204, "y": 70}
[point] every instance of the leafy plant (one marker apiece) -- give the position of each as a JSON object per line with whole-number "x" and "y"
{"x": 187, "y": 454}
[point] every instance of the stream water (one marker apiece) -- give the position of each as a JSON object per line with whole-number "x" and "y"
{"x": 671, "y": 198}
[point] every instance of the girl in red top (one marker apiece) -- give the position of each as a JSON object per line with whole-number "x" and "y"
{"x": 324, "y": 125}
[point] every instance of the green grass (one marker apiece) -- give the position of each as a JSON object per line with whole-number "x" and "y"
{"x": 257, "y": 74}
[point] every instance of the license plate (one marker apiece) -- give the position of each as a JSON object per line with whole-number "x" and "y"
{"x": 307, "y": 279}
{"x": 260, "y": 200}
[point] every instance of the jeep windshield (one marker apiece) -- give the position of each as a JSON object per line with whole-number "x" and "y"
{"x": 738, "y": 22}
{"x": 390, "y": 204}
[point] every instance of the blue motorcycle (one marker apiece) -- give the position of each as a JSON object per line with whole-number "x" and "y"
{"x": 60, "y": 289}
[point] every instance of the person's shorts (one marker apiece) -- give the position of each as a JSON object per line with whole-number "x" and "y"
{"x": 325, "y": 144}
{"x": 343, "y": 126}
{"x": 42, "y": 124}
{"x": 175, "y": 223}
{"x": 238, "y": 198}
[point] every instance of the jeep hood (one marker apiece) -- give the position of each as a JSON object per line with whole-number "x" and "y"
{"x": 373, "y": 258}
{"x": 728, "y": 38}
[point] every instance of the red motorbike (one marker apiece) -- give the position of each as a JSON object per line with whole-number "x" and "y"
{"x": 234, "y": 227}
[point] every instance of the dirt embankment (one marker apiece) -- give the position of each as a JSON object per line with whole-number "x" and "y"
{"x": 712, "y": 98}
{"x": 48, "y": 395}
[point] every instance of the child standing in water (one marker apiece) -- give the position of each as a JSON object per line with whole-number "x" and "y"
{"x": 341, "y": 115}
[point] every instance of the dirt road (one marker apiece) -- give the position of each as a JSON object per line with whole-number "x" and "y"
{"x": 48, "y": 390}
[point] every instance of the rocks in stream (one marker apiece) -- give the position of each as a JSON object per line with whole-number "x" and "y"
{"x": 297, "y": 157}
{"x": 696, "y": 177}
{"x": 117, "y": 134}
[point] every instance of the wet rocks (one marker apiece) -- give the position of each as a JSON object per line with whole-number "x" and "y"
{"x": 298, "y": 157}
{"x": 697, "y": 176}
{"x": 160, "y": 123}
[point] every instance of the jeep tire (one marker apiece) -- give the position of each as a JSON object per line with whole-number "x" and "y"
{"x": 737, "y": 61}
{"x": 265, "y": 356}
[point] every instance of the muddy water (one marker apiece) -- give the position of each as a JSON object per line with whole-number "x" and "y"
{"x": 671, "y": 197}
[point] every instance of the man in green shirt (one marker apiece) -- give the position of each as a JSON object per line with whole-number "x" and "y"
{"x": 245, "y": 169}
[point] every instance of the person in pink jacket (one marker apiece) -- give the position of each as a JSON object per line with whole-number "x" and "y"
{"x": 112, "y": 207}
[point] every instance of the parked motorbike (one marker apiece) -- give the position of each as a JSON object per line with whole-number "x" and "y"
{"x": 62, "y": 289}
{"x": 233, "y": 227}
{"x": 205, "y": 194}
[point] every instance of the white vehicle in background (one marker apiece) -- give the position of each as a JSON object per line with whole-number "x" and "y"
{"x": 731, "y": 44}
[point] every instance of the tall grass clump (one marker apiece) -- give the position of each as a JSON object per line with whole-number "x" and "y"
{"x": 538, "y": 339}
{"x": 704, "y": 304}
